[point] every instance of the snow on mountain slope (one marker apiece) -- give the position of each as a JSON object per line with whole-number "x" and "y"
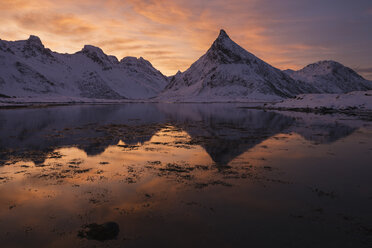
{"x": 331, "y": 77}
{"x": 227, "y": 72}
{"x": 28, "y": 69}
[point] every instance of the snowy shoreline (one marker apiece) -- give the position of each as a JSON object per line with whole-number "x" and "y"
{"x": 354, "y": 103}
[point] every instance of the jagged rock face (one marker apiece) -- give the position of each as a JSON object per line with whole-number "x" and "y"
{"x": 98, "y": 56}
{"x": 33, "y": 47}
{"x": 331, "y": 77}
{"x": 27, "y": 68}
{"x": 224, "y": 51}
{"x": 227, "y": 71}
{"x": 143, "y": 67}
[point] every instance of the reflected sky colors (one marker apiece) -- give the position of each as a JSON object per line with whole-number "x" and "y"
{"x": 184, "y": 175}
{"x": 173, "y": 34}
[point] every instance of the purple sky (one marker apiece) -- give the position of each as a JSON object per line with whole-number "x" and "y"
{"x": 173, "y": 34}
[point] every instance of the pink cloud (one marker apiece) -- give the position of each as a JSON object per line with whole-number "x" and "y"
{"x": 170, "y": 33}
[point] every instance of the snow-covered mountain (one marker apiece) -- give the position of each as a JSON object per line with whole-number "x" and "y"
{"x": 28, "y": 69}
{"x": 331, "y": 77}
{"x": 228, "y": 72}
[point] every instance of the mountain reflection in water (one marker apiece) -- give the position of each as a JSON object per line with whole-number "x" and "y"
{"x": 224, "y": 131}
{"x": 223, "y": 175}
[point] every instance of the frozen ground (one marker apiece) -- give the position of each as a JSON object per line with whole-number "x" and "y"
{"x": 357, "y": 100}
{"x": 32, "y": 101}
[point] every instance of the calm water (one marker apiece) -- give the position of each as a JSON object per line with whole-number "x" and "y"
{"x": 183, "y": 175}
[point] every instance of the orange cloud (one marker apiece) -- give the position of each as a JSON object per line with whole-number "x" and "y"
{"x": 58, "y": 24}
{"x": 161, "y": 11}
{"x": 184, "y": 31}
{"x": 7, "y": 5}
{"x": 172, "y": 34}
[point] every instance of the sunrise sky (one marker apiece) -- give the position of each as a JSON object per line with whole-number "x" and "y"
{"x": 173, "y": 34}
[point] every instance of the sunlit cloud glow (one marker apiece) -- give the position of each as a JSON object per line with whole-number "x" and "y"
{"x": 173, "y": 34}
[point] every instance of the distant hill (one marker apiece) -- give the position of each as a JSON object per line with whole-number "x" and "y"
{"x": 331, "y": 77}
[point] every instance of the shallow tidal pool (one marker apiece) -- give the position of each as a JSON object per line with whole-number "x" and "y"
{"x": 183, "y": 175}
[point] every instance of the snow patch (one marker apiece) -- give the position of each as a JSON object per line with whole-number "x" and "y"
{"x": 361, "y": 100}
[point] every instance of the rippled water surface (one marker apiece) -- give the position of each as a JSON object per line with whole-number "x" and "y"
{"x": 183, "y": 175}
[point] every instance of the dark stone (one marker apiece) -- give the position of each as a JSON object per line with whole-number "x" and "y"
{"x": 103, "y": 232}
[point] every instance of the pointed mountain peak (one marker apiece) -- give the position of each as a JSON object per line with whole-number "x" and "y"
{"x": 142, "y": 60}
{"x": 33, "y": 47}
{"x": 34, "y": 41}
{"x": 135, "y": 61}
{"x": 97, "y": 55}
{"x": 224, "y": 41}
{"x": 92, "y": 49}
{"x": 223, "y": 38}
{"x": 225, "y": 51}
{"x": 34, "y": 38}
{"x": 223, "y": 35}
{"x": 129, "y": 60}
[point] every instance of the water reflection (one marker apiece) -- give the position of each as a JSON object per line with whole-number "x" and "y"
{"x": 224, "y": 131}
{"x": 183, "y": 175}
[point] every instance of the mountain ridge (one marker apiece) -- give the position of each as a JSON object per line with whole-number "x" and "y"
{"x": 226, "y": 72}
{"x": 28, "y": 69}
{"x": 329, "y": 76}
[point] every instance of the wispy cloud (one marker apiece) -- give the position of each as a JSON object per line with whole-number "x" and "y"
{"x": 62, "y": 24}
{"x": 174, "y": 33}
{"x": 365, "y": 72}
